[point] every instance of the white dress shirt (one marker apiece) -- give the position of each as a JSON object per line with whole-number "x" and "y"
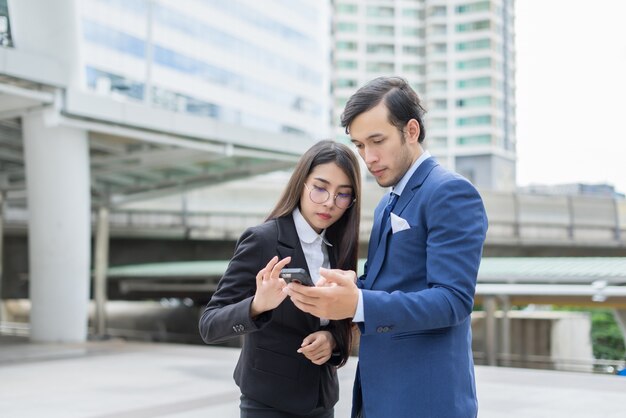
{"x": 314, "y": 246}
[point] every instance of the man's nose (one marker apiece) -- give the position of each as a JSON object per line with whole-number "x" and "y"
{"x": 369, "y": 156}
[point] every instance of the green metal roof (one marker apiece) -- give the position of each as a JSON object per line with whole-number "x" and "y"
{"x": 170, "y": 269}
{"x": 552, "y": 269}
{"x": 492, "y": 269}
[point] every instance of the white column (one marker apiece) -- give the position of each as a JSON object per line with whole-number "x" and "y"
{"x": 59, "y": 229}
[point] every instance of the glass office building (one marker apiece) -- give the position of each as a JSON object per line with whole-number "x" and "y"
{"x": 263, "y": 65}
{"x": 458, "y": 55}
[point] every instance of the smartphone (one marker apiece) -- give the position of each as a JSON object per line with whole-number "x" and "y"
{"x": 296, "y": 275}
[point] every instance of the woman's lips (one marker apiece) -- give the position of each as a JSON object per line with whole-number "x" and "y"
{"x": 324, "y": 216}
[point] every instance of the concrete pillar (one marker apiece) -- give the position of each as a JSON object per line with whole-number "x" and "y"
{"x": 59, "y": 229}
{"x": 1, "y": 254}
{"x": 505, "y": 331}
{"x": 491, "y": 350}
{"x": 101, "y": 267}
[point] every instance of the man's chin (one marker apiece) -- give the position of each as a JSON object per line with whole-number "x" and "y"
{"x": 384, "y": 183}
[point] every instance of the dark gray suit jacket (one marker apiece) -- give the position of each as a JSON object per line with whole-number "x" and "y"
{"x": 269, "y": 370}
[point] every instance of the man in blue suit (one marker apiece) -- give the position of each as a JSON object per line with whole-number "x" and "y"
{"x": 413, "y": 303}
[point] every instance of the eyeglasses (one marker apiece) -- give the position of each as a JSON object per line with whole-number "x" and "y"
{"x": 320, "y": 195}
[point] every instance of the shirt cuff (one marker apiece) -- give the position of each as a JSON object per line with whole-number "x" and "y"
{"x": 359, "y": 315}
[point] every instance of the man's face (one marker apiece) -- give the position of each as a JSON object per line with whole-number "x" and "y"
{"x": 380, "y": 145}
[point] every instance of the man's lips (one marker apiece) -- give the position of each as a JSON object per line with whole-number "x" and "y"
{"x": 377, "y": 172}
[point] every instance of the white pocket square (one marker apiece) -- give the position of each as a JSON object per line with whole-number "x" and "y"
{"x": 398, "y": 224}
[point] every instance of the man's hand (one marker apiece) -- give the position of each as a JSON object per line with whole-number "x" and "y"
{"x": 318, "y": 347}
{"x": 269, "y": 287}
{"x": 334, "y": 297}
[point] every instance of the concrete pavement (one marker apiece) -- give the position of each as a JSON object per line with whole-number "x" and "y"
{"x": 118, "y": 379}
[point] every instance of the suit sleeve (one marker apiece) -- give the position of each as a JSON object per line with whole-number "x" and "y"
{"x": 456, "y": 226}
{"x": 227, "y": 315}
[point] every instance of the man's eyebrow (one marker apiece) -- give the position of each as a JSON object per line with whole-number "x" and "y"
{"x": 370, "y": 136}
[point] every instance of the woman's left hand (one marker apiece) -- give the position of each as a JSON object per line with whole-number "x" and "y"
{"x": 318, "y": 347}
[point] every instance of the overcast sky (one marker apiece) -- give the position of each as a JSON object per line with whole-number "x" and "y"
{"x": 571, "y": 91}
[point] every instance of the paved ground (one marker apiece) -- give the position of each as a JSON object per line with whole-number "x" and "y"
{"x": 116, "y": 379}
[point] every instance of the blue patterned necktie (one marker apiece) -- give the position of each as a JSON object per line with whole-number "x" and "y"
{"x": 393, "y": 198}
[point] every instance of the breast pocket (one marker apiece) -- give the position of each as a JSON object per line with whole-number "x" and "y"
{"x": 407, "y": 245}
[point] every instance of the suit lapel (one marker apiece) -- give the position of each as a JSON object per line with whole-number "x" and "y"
{"x": 379, "y": 254}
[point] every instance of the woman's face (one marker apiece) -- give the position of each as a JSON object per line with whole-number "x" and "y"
{"x": 328, "y": 185}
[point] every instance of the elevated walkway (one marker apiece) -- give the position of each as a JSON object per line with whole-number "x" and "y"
{"x": 116, "y": 379}
{"x": 550, "y": 280}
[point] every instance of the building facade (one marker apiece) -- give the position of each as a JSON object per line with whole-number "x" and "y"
{"x": 458, "y": 55}
{"x": 262, "y": 65}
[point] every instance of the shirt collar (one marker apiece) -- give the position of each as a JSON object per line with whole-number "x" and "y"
{"x": 305, "y": 232}
{"x": 398, "y": 188}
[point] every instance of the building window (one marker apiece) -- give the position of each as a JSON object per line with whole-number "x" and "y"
{"x": 474, "y": 120}
{"x": 479, "y": 101}
{"x": 439, "y": 104}
{"x": 480, "y": 6}
{"x": 474, "y": 140}
{"x": 412, "y": 13}
{"x": 380, "y": 11}
{"x": 473, "y": 26}
{"x": 345, "y": 82}
{"x": 346, "y": 46}
{"x": 382, "y": 30}
{"x": 437, "y": 11}
{"x": 386, "y": 49}
{"x": 414, "y": 69}
{"x": 474, "y": 64}
{"x": 348, "y": 9}
{"x": 439, "y": 48}
{"x": 413, "y": 50}
{"x": 472, "y": 83}
{"x": 346, "y": 64}
{"x": 347, "y": 27}
{"x": 379, "y": 67}
{"x": 438, "y": 29}
{"x": 472, "y": 45}
{"x": 411, "y": 31}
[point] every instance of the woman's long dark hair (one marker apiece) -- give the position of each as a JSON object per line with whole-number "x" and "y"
{"x": 343, "y": 234}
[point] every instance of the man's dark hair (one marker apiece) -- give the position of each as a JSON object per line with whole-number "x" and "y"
{"x": 401, "y": 101}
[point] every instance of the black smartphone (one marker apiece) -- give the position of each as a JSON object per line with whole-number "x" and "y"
{"x": 296, "y": 275}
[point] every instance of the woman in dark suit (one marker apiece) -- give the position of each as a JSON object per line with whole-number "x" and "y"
{"x": 287, "y": 366}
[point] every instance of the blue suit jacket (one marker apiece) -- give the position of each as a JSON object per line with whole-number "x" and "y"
{"x": 415, "y": 356}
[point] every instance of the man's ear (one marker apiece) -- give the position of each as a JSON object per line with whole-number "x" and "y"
{"x": 412, "y": 131}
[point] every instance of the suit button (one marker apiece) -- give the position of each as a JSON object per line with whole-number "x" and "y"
{"x": 385, "y": 329}
{"x": 379, "y": 329}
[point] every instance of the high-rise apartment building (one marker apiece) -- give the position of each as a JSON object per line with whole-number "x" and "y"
{"x": 459, "y": 57}
{"x": 262, "y": 65}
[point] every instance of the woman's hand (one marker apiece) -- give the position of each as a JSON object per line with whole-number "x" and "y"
{"x": 318, "y": 347}
{"x": 269, "y": 287}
